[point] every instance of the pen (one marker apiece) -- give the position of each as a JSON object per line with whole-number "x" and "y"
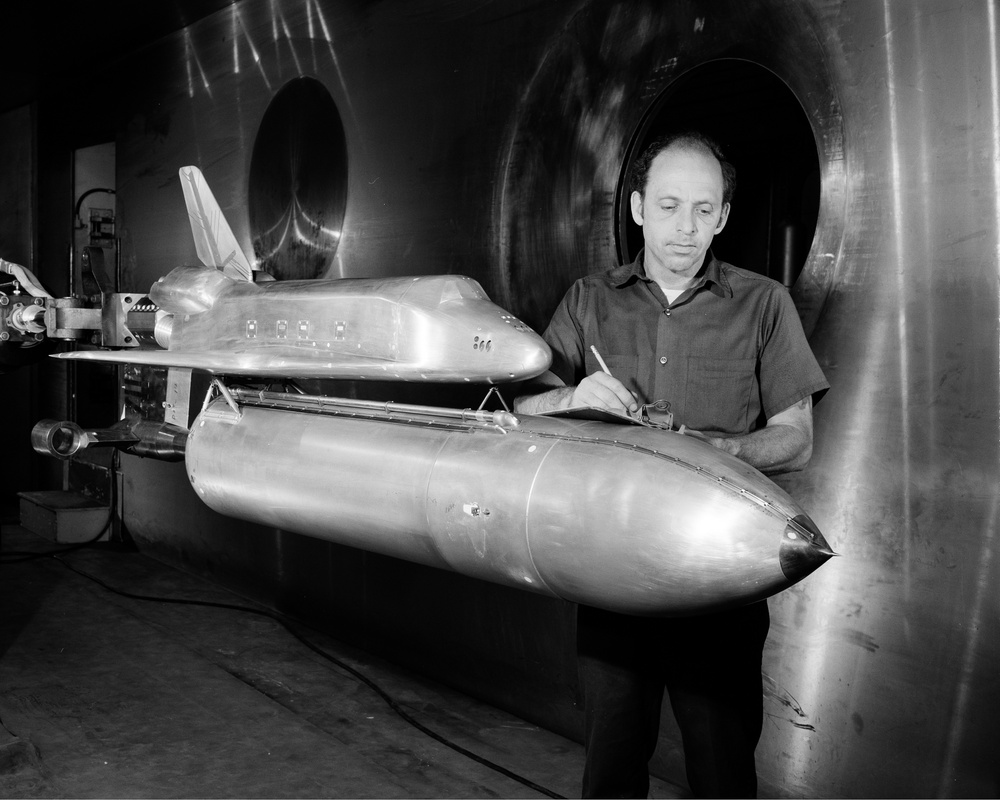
{"x": 600, "y": 360}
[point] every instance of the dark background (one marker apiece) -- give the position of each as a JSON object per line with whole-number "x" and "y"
{"x": 45, "y": 49}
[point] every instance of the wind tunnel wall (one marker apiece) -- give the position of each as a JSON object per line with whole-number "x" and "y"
{"x": 490, "y": 139}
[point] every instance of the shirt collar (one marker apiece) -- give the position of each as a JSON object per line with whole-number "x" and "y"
{"x": 713, "y": 277}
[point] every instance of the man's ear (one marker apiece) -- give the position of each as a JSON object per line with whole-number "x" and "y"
{"x": 636, "y": 201}
{"x": 723, "y": 218}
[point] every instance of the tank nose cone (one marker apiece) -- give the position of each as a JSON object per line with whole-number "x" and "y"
{"x": 803, "y": 549}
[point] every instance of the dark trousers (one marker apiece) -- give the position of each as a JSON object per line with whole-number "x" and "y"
{"x": 711, "y": 668}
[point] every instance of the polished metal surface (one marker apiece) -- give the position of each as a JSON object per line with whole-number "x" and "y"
{"x": 64, "y": 438}
{"x": 621, "y": 517}
{"x": 214, "y": 241}
{"x": 188, "y": 290}
{"x": 490, "y": 139}
{"x": 433, "y": 328}
{"x": 218, "y": 318}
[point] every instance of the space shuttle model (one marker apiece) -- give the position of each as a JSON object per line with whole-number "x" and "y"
{"x": 217, "y": 318}
{"x": 616, "y": 512}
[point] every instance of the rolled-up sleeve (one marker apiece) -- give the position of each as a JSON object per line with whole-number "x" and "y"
{"x": 788, "y": 369}
{"x": 565, "y": 336}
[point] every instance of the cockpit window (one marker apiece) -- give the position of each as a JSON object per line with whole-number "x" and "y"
{"x": 436, "y": 290}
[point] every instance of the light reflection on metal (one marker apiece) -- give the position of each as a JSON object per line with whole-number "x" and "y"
{"x": 273, "y": 13}
{"x": 902, "y": 262}
{"x": 315, "y": 236}
{"x": 994, "y": 40}
{"x": 234, "y": 38}
{"x": 191, "y": 58}
{"x": 311, "y": 224}
{"x": 328, "y": 38}
{"x": 985, "y": 589}
{"x": 291, "y": 44}
{"x": 924, "y": 197}
{"x": 280, "y": 32}
{"x": 239, "y": 28}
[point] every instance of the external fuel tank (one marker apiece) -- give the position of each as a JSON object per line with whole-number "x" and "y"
{"x": 627, "y": 518}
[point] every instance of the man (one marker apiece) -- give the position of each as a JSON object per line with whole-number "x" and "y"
{"x": 725, "y": 347}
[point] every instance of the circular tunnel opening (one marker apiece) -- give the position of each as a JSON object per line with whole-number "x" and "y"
{"x": 298, "y": 182}
{"x": 766, "y": 134}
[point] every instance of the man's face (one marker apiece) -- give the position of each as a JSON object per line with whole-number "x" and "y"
{"x": 680, "y": 212}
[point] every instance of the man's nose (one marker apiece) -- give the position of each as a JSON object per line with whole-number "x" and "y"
{"x": 685, "y": 221}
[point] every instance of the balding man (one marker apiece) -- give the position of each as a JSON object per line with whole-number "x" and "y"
{"x": 725, "y": 347}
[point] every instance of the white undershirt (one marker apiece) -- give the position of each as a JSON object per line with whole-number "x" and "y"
{"x": 672, "y": 294}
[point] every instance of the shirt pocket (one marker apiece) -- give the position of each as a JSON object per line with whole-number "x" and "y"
{"x": 718, "y": 396}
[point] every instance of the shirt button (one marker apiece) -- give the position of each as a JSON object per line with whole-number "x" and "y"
{"x": 667, "y": 312}
{"x": 663, "y": 359}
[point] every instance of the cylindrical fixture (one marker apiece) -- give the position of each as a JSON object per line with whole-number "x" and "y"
{"x": 64, "y": 439}
{"x": 61, "y": 439}
{"x": 622, "y": 517}
{"x": 28, "y": 318}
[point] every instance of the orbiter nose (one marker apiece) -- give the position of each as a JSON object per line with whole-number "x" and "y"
{"x": 536, "y": 357}
{"x": 803, "y": 548}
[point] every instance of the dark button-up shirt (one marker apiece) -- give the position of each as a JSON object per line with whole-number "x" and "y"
{"x": 727, "y": 354}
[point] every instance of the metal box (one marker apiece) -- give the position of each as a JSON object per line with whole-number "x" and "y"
{"x": 63, "y": 516}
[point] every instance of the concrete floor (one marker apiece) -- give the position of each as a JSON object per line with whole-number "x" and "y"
{"x": 103, "y": 695}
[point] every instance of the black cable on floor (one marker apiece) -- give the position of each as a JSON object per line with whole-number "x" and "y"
{"x": 332, "y": 659}
{"x": 31, "y": 555}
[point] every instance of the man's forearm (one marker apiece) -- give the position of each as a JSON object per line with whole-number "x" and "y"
{"x": 597, "y": 390}
{"x": 551, "y": 400}
{"x": 772, "y": 450}
{"x": 783, "y": 445}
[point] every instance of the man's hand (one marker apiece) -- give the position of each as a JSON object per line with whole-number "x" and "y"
{"x": 601, "y": 390}
{"x": 598, "y": 390}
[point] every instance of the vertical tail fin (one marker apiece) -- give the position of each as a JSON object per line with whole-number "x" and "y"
{"x": 213, "y": 238}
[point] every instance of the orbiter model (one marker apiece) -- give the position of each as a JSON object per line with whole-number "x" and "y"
{"x": 433, "y": 328}
{"x": 625, "y": 515}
